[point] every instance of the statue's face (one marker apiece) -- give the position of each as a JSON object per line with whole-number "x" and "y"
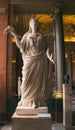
{"x": 34, "y": 24}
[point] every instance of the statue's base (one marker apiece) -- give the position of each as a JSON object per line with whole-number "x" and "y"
{"x": 40, "y": 121}
{"x": 30, "y": 111}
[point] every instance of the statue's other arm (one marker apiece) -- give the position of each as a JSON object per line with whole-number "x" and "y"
{"x": 49, "y": 56}
{"x": 49, "y": 39}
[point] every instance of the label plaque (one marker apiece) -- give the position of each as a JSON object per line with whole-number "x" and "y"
{"x": 2, "y": 10}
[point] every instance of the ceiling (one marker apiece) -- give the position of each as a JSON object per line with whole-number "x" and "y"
{"x": 43, "y": 6}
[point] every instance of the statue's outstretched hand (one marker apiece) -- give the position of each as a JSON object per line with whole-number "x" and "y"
{"x": 9, "y": 29}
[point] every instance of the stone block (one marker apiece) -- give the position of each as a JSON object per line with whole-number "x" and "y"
{"x": 32, "y": 122}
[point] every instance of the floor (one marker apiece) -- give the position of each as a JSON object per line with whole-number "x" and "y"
{"x": 56, "y": 126}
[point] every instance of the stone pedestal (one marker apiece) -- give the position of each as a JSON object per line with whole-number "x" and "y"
{"x": 40, "y": 121}
{"x": 67, "y": 104}
{"x": 20, "y": 110}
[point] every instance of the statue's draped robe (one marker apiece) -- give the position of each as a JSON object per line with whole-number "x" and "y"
{"x": 34, "y": 71}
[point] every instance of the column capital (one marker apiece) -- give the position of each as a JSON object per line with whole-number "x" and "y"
{"x": 55, "y": 9}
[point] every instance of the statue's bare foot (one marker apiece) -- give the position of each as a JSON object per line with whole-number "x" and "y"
{"x": 34, "y": 105}
{"x": 20, "y": 103}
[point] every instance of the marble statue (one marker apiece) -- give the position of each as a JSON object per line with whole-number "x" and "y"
{"x": 35, "y": 55}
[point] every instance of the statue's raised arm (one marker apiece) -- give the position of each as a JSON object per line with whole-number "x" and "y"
{"x": 11, "y": 30}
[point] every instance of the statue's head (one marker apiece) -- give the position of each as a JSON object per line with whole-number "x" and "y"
{"x": 34, "y": 24}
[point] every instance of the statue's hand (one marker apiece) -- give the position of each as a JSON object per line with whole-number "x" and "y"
{"x": 11, "y": 30}
{"x": 8, "y": 29}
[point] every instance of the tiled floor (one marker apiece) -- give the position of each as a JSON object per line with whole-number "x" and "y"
{"x": 6, "y": 127}
{"x": 56, "y": 126}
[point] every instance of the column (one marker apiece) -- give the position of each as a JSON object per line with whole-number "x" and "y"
{"x": 60, "y": 52}
{"x": 54, "y": 34}
{"x": 59, "y": 55}
{"x": 3, "y": 53}
{"x": 70, "y": 67}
